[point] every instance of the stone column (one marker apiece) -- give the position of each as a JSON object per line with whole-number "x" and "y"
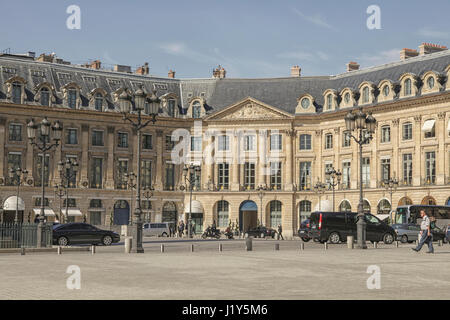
{"x": 235, "y": 165}
{"x": 262, "y": 157}
{"x": 2, "y": 150}
{"x": 109, "y": 184}
{"x": 318, "y": 150}
{"x": 417, "y": 163}
{"x": 441, "y": 134}
{"x": 288, "y": 170}
{"x": 84, "y": 154}
{"x": 57, "y": 157}
{"x": 159, "y": 159}
{"x": 395, "y": 156}
{"x": 209, "y": 159}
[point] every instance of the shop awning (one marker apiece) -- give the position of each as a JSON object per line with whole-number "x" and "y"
{"x": 382, "y": 216}
{"x": 11, "y": 203}
{"x": 428, "y": 125}
{"x": 73, "y": 212}
{"x": 196, "y": 207}
{"x": 47, "y": 212}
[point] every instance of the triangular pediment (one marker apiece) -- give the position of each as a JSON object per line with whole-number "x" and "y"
{"x": 249, "y": 109}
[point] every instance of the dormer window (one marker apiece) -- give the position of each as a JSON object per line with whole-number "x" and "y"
{"x": 329, "y": 102}
{"x": 196, "y": 110}
{"x": 17, "y": 92}
{"x": 305, "y": 103}
{"x": 347, "y": 97}
{"x": 407, "y": 87}
{"x": 430, "y": 82}
{"x": 171, "y": 105}
{"x": 386, "y": 90}
{"x": 98, "y": 102}
{"x": 45, "y": 97}
{"x": 72, "y": 98}
{"x": 365, "y": 95}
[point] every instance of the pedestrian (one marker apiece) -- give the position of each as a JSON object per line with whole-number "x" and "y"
{"x": 280, "y": 232}
{"x": 425, "y": 235}
{"x": 36, "y": 219}
{"x": 213, "y": 227}
{"x": 181, "y": 229}
{"x": 170, "y": 230}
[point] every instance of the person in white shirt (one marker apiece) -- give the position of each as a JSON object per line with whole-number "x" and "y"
{"x": 425, "y": 235}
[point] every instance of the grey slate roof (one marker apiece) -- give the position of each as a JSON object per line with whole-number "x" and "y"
{"x": 218, "y": 93}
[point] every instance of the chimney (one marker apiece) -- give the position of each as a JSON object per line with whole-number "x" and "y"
{"x": 96, "y": 64}
{"x": 143, "y": 70}
{"x": 120, "y": 68}
{"x": 427, "y": 48}
{"x": 219, "y": 73}
{"x": 171, "y": 74}
{"x": 295, "y": 71}
{"x": 45, "y": 58}
{"x": 352, "y": 66}
{"x": 408, "y": 53}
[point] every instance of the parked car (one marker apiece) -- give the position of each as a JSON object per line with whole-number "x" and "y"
{"x": 447, "y": 234}
{"x": 336, "y": 226}
{"x": 160, "y": 229}
{"x": 261, "y": 232}
{"x": 409, "y": 232}
{"x": 304, "y": 231}
{"x": 82, "y": 233}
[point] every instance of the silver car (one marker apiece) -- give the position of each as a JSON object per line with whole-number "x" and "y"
{"x": 406, "y": 232}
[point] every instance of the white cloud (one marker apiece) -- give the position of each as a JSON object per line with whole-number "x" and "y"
{"x": 382, "y": 57}
{"x": 431, "y": 33}
{"x": 304, "y": 56}
{"x": 316, "y": 19}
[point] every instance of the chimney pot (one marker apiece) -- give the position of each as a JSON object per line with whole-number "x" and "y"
{"x": 295, "y": 71}
{"x": 352, "y": 66}
{"x": 171, "y": 74}
{"x": 407, "y": 53}
{"x": 427, "y": 48}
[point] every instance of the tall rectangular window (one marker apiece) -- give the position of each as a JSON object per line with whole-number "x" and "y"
{"x": 224, "y": 143}
{"x": 328, "y": 167}
{"x": 122, "y": 171}
{"x": 71, "y": 136}
{"x": 122, "y": 140}
{"x": 407, "y": 131}
{"x": 38, "y": 182}
{"x": 385, "y": 134}
{"x": 97, "y": 138}
{"x": 98, "y": 104}
{"x": 366, "y": 172}
{"x": 249, "y": 175}
{"x": 275, "y": 142}
{"x": 430, "y": 167}
{"x": 196, "y": 111}
{"x": 346, "y": 174}
{"x": 171, "y": 107}
{"x": 328, "y": 141}
{"x": 45, "y": 97}
{"x": 146, "y": 173}
{"x": 169, "y": 143}
{"x": 385, "y": 169}
{"x": 147, "y": 142}
{"x": 169, "y": 184}
{"x": 15, "y": 132}
{"x": 96, "y": 176}
{"x": 275, "y": 175}
{"x": 223, "y": 175}
{"x": 196, "y": 143}
{"x": 70, "y": 173}
{"x": 346, "y": 139}
{"x": 14, "y": 162}
{"x": 407, "y": 168}
{"x": 305, "y": 142}
{"x": 222, "y": 213}
{"x": 305, "y": 175}
{"x": 72, "y": 98}
{"x": 365, "y": 134}
{"x": 16, "y": 92}
{"x": 249, "y": 143}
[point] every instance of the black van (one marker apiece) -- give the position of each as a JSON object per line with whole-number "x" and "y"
{"x": 336, "y": 226}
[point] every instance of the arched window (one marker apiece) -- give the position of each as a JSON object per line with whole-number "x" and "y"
{"x": 98, "y": 102}
{"x": 222, "y": 213}
{"x": 384, "y": 207}
{"x": 405, "y": 201}
{"x": 429, "y": 200}
{"x": 16, "y": 92}
{"x": 196, "y": 110}
{"x": 407, "y": 89}
{"x": 304, "y": 209}
{"x": 430, "y": 82}
{"x": 365, "y": 95}
{"x": 386, "y": 90}
{"x": 345, "y": 206}
{"x": 347, "y": 97}
{"x": 329, "y": 102}
{"x": 366, "y": 206}
{"x": 275, "y": 213}
{"x": 45, "y": 97}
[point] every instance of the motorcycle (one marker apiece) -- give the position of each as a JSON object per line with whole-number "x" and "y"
{"x": 229, "y": 234}
{"x": 210, "y": 234}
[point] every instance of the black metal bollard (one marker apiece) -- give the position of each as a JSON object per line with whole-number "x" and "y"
{"x": 326, "y": 245}
{"x": 93, "y": 250}
{"x": 277, "y": 246}
{"x": 162, "y": 248}
{"x": 249, "y": 244}
{"x": 192, "y": 248}
{"x": 220, "y": 247}
{"x": 59, "y": 251}
{"x": 22, "y": 251}
{"x": 302, "y": 246}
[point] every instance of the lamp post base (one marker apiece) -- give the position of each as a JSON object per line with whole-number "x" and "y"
{"x": 136, "y": 245}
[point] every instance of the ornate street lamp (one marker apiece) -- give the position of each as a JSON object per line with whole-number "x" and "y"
{"x": 334, "y": 178}
{"x": 43, "y": 144}
{"x": 319, "y": 188}
{"x": 129, "y": 182}
{"x": 147, "y": 193}
{"x": 194, "y": 177}
{"x": 261, "y": 191}
{"x": 18, "y": 177}
{"x": 361, "y": 122}
{"x": 390, "y": 185}
{"x": 60, "y": 192}
{"x": 140, "y": 99}
{"x": 67, "y": 171}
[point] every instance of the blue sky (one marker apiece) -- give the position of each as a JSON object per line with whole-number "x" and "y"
{"x": 249, "y": 38}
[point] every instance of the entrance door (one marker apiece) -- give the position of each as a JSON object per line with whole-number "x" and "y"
{"x": 121, "y": 213}
{"x": 169, "y": 213}
{"x": 248, "y": 215}
{"x": 197, "y": 219}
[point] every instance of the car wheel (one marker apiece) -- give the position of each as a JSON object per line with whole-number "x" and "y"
{"x": 107, "y": 240}
{"x": 404, "y": 238}
{"x": 63, "y": 241}
{"x": 334, "y": 238}
{"x": 388, "y": 238}
{"x": 164, "y": 234}
{"x": 305, "y": 239}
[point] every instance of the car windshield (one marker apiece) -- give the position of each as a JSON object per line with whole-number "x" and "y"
{"x": 372, "y": 219}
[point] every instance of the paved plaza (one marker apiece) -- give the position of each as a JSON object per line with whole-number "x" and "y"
{"x": 206, "y": 273}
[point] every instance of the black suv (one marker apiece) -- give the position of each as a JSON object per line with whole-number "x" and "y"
{"x": 336, "y": 226}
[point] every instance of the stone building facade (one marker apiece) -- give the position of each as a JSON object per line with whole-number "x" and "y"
{"x": 279, "y": 133}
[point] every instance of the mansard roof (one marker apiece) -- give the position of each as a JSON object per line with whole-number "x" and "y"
{"x": 218, "y": 94}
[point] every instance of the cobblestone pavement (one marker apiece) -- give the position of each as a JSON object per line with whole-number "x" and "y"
{"x": 206, "y": 273}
